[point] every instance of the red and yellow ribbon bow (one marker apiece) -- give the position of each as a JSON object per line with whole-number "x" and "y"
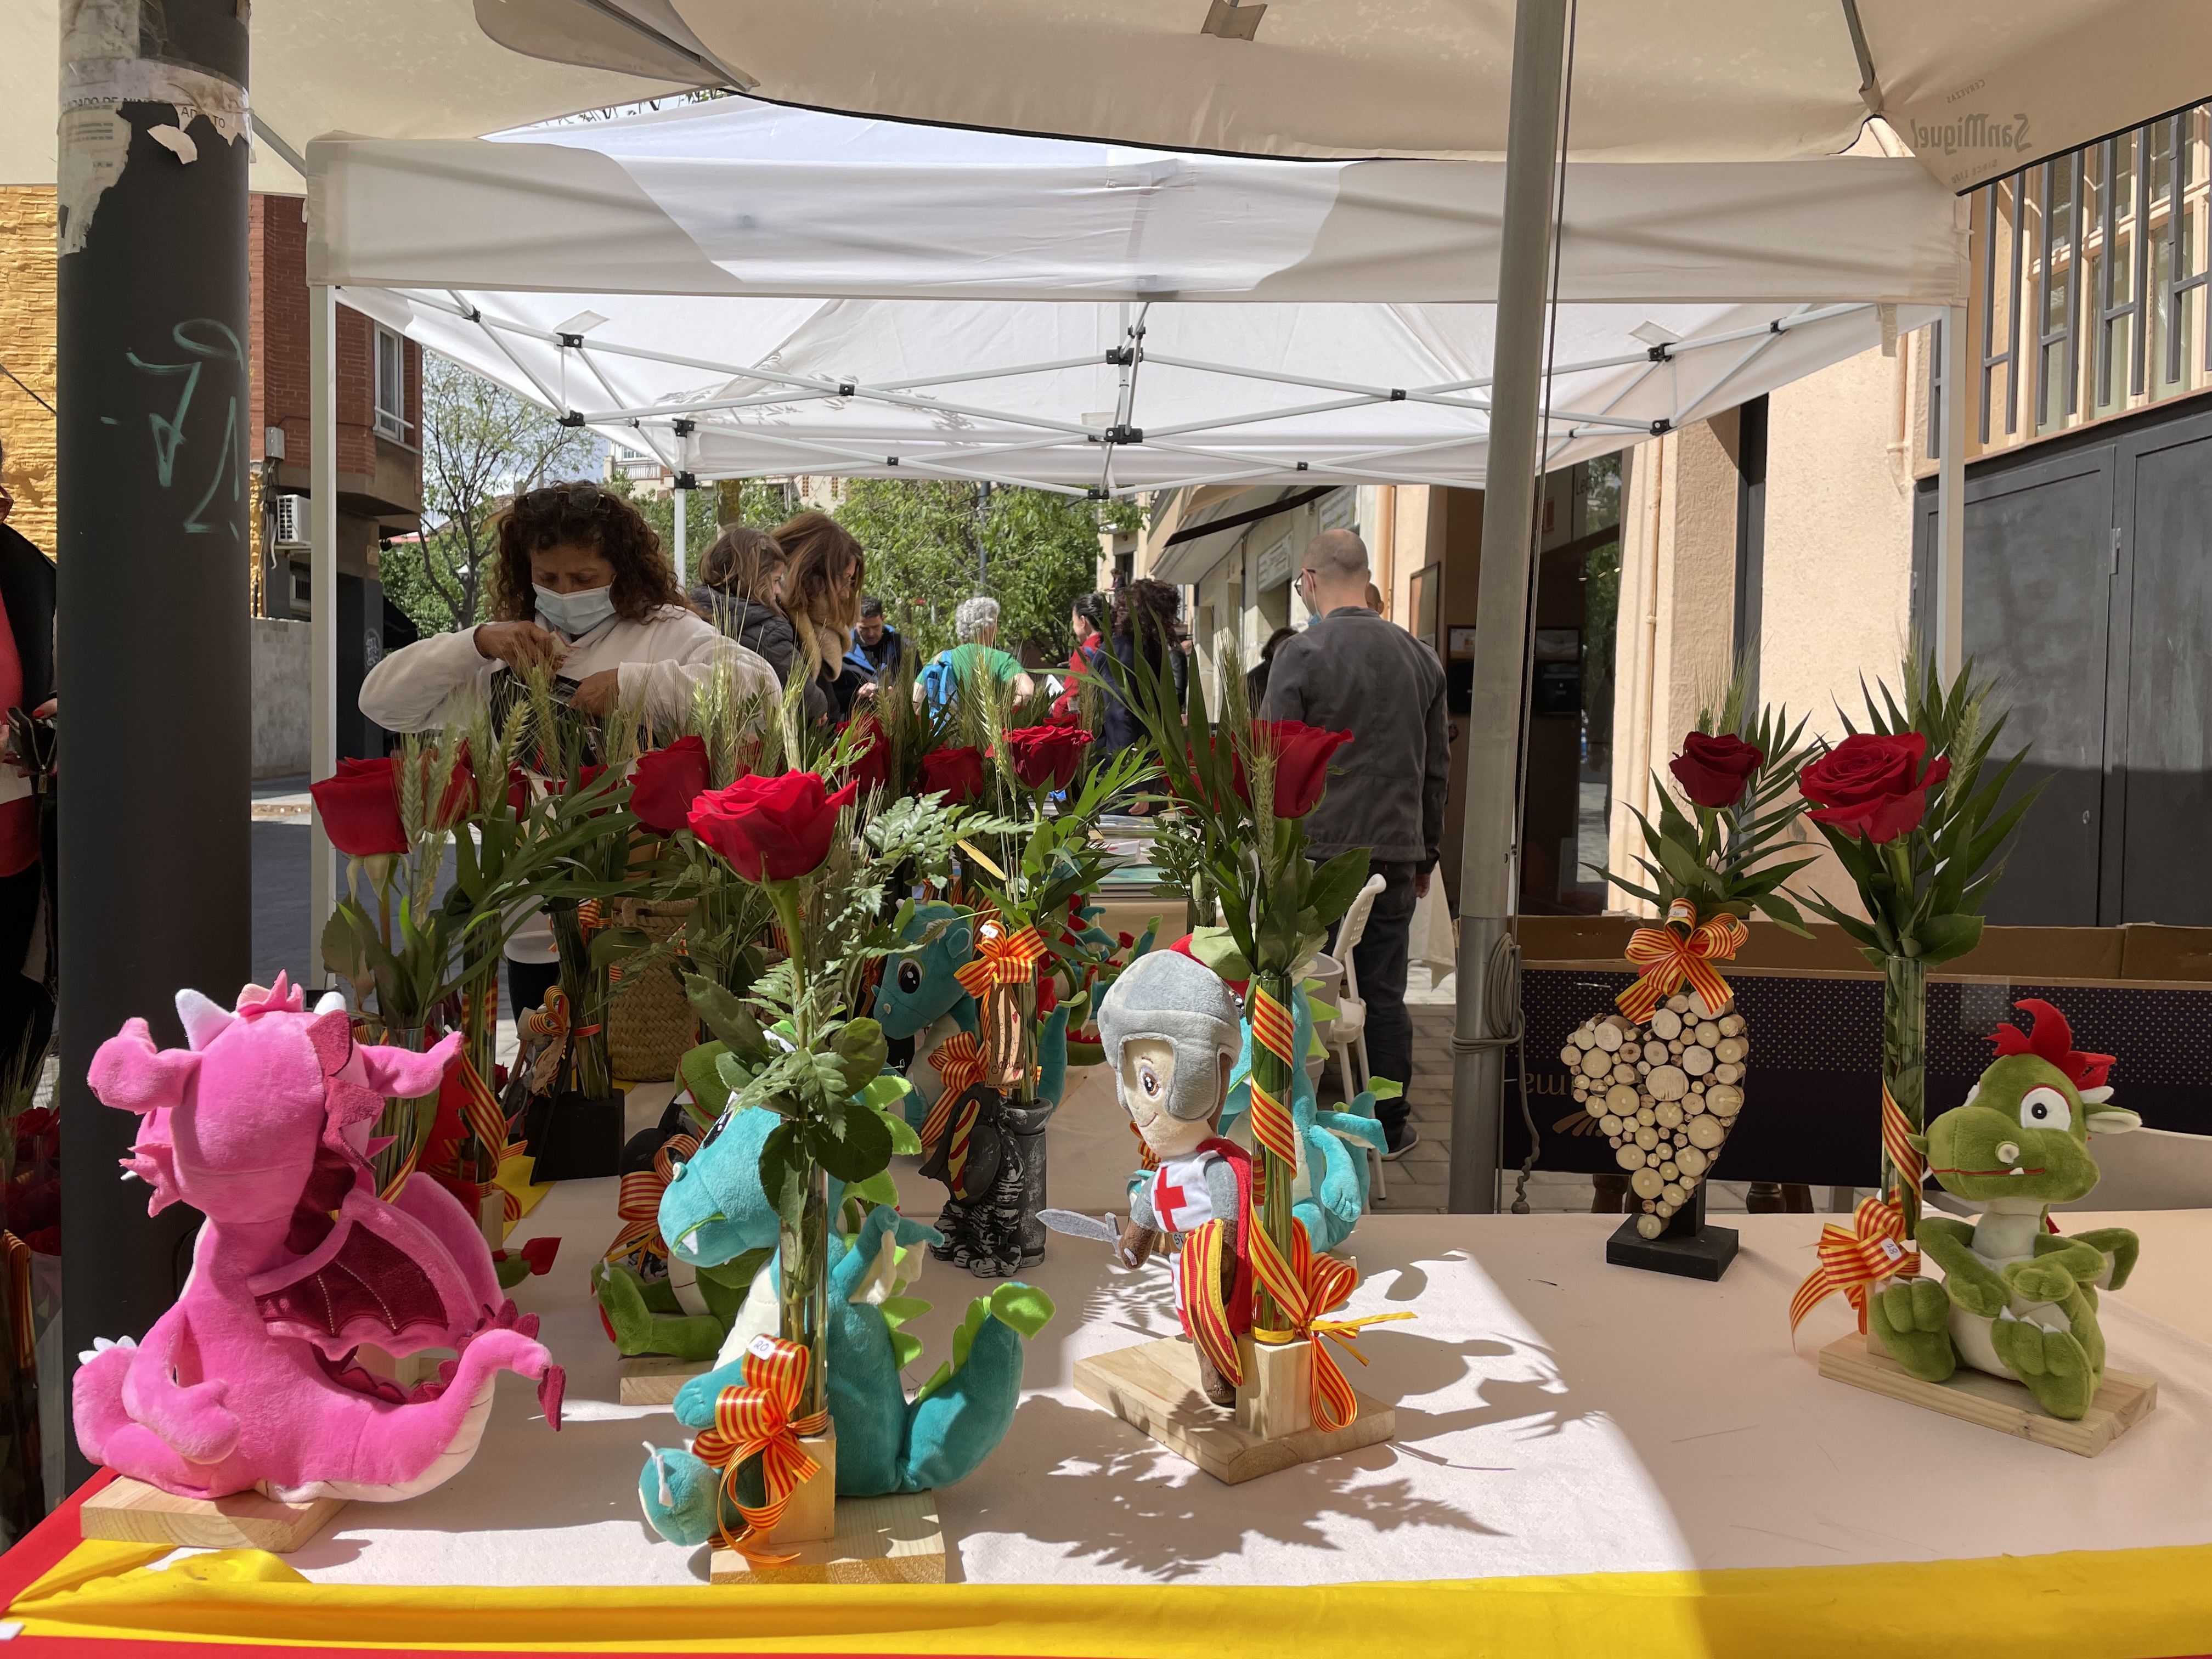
{"x": 757, "y": 1420}
{"x": 1854, "y": 1262}
{"x": 1673, "y": 957}
{"x": 960, "y": 1063}
{"x": 1001, "y": 958}
{"x": 1306, "y": 1287}
{"x": 638, "y": 1201}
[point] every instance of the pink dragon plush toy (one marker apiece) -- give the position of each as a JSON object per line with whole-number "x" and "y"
{"x": 249, "y": 1381}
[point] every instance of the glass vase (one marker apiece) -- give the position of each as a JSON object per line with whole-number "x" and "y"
{"x": 1272, "y": 1176}
{"x": 404, "y": 1122}
{"x": 1903, "y": 1055}
{"x": 480, "y": 1035}
{"x": 1009, "y": 1022}
{"x": 803, "y": 1294}
{"x": 586, "y": 987}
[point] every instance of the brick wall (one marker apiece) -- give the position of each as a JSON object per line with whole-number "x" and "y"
{"x": 276, "y": 350}
{"x": 279, "y": 251}
{"x": 27, "y": 348}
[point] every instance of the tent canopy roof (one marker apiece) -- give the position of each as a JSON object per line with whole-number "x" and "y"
{"x": 739, "y": 289}
{"x": 741, "y": 198}
{"x": 1977, "y": 88}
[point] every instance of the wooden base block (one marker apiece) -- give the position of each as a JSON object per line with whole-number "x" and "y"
{"x": 812, "y": 1517}
{"x": 1995, "y": 1402}
{"x": 1153, "y": 1387}
{"x": 654, "y": 1379}
{"x": 131, "y": 1512}
{"x": 1276, "y": 1400}
{"x": 491, "y": 1218}
{"x": 879, "y": 1540}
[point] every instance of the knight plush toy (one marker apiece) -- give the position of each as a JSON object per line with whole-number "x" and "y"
{"x": 1171, "y": 1031}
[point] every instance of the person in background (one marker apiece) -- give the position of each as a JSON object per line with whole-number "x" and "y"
{"x": 975, "y": 625}
{"x": 877, "y": 646}
{"x": 739, "y": 581}
{"x": 27, "y": 682}
{"x": 1255, "y": 677}
{"x": 579, "y": 584}
{"x": 1143, "y": 626}
{"x": 1086, "y": 622}
{"x": 1375, "y": 600}
{"x": 822, "y": 598}
{"x": 1352, "y": 670}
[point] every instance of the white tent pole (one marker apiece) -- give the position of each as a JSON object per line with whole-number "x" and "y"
{"x": 1951, "y": 501}
{"x": 1489, "y": 980}
{"x": 682, "y": 499}
{"x": 323, "y": 598}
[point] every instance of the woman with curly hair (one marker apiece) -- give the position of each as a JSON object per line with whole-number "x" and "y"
{"x": 822, "y": 598}
{"x": 580, "y": 583}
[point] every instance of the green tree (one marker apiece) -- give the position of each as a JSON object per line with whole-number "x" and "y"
{"x": 480, "y": 446}
{"x": 932, "y": 543}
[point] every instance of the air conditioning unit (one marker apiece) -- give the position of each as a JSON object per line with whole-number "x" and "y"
{"x": 290, "y": 517}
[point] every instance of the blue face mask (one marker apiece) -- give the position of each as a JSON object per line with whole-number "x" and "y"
{"x": 574, "y": 615}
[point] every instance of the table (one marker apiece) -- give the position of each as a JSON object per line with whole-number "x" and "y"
{"x": 1589, "y": 1460}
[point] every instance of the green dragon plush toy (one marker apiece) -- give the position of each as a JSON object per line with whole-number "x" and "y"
{"x": 714, "y": 1212}
{"x": 2016, "y": 1300}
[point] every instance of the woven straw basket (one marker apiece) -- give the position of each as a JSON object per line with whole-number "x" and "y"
{"x": 650, "y": 1026}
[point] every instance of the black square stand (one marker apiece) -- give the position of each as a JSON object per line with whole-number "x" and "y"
{"x": 1686, "y": 1246}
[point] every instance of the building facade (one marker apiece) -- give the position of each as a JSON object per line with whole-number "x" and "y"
{"x": 379, "y": 399}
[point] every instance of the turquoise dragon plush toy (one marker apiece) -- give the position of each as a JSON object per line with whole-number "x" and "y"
{"x": 1331, "y": 1186}
{"x": 2016, "y": 1300}
{"x": 989, "y": 1224}
{"x": 715, "y": 1212}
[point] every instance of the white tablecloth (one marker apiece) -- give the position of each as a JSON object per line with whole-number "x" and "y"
{"x": 1555, "y": 1415}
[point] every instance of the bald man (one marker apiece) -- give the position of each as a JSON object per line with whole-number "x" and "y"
{"x": 1352, "y": 670}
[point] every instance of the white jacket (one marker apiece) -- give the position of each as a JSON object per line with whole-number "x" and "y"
{"x": 661, "y": 659}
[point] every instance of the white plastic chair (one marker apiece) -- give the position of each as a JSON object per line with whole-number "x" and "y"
{"x": 1349, "y": 1032}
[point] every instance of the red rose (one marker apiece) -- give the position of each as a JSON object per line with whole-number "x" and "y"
{"x": 666, "y": 783}
{"x": 1872, "y": 785}
{"x": 1302, "y": 756}
{"x": 1046, "y": 755}
{"x": 360, "y": 809}
{"x": 518, "y": 791}
{"x": 770, "y": 828}
{"x": 1712, "y": 771}
{"x": 872, "y": 763}
{"x": 958, "y": 774}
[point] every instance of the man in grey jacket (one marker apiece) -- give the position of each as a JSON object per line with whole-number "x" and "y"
{"x": 1352, "y": 670}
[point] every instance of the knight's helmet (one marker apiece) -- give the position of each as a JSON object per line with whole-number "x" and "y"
{"x": 1164, "y": 993}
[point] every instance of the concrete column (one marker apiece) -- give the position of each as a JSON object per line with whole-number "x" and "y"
{"x": 155, "y": 877}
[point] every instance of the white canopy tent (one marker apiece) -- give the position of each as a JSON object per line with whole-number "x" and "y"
{"x": 741, "y": 198}
{"x": 963, "y": 304}
{"x": 1360, "y": 368}
{"x": 1026, "y": 393}
{"x": 1977, "y": 88}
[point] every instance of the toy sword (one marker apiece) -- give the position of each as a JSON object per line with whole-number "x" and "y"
{"x": 1076, "y": 1225}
